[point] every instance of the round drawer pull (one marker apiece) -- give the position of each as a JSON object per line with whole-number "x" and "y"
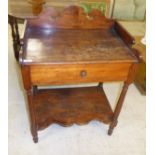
{"x": 83, "y": 73}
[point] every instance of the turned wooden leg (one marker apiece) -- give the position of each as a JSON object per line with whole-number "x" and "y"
{"x": 32, "y": 116}
{"x": 15, "y": 36}
{"x": 30, "y": 92}
{"x": 118, "y": 108}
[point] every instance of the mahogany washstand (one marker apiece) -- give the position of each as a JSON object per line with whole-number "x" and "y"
{"x": 71, "y": 47}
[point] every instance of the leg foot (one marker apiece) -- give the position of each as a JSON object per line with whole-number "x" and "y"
{"x": 34, "y": 134}
{"x": 111, "y": 127}
{"x": 110, "y": 131}
{"x": 35, "y": 139}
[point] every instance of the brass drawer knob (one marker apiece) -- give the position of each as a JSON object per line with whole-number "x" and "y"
{"x": 83, "y": 73}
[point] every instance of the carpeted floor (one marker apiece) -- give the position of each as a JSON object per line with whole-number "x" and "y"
{"x": 91, "y": 139}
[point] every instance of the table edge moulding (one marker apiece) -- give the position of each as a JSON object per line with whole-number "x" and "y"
{"x": 54, "y": 52}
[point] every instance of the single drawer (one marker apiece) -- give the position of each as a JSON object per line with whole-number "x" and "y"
{"x": 78, "y": 73}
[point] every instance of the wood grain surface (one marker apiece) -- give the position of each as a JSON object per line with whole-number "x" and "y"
{"x": 74, "y": 46}
{"x": 79, "y": 73}
{"x": 71, "y": 105}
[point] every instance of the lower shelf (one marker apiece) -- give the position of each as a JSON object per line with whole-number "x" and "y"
{"x": 71, "y": 105}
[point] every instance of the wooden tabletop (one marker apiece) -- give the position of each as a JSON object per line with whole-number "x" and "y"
{"x": 69, "y": 46}
{"x": 72, "y": 37}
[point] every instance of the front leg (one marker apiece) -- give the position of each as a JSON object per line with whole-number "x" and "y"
{"x": 30, "y": 89}
{"x": 32, "y": 115}
{"x": 118, "y": 108}
{"x": 119, "y": 105}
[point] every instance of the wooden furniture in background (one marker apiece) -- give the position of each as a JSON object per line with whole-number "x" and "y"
{"x": 15, "y": 36}
{"x": 31, "y": 8}
{"x": 140, "y": 79}
{"x": 70, "y": 47}
{"x": 19, "y": 10}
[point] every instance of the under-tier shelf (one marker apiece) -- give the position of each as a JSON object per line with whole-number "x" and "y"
{"x": 71, "y": 105}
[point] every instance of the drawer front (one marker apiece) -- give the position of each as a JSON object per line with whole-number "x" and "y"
{"x": 69, "y": 74}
